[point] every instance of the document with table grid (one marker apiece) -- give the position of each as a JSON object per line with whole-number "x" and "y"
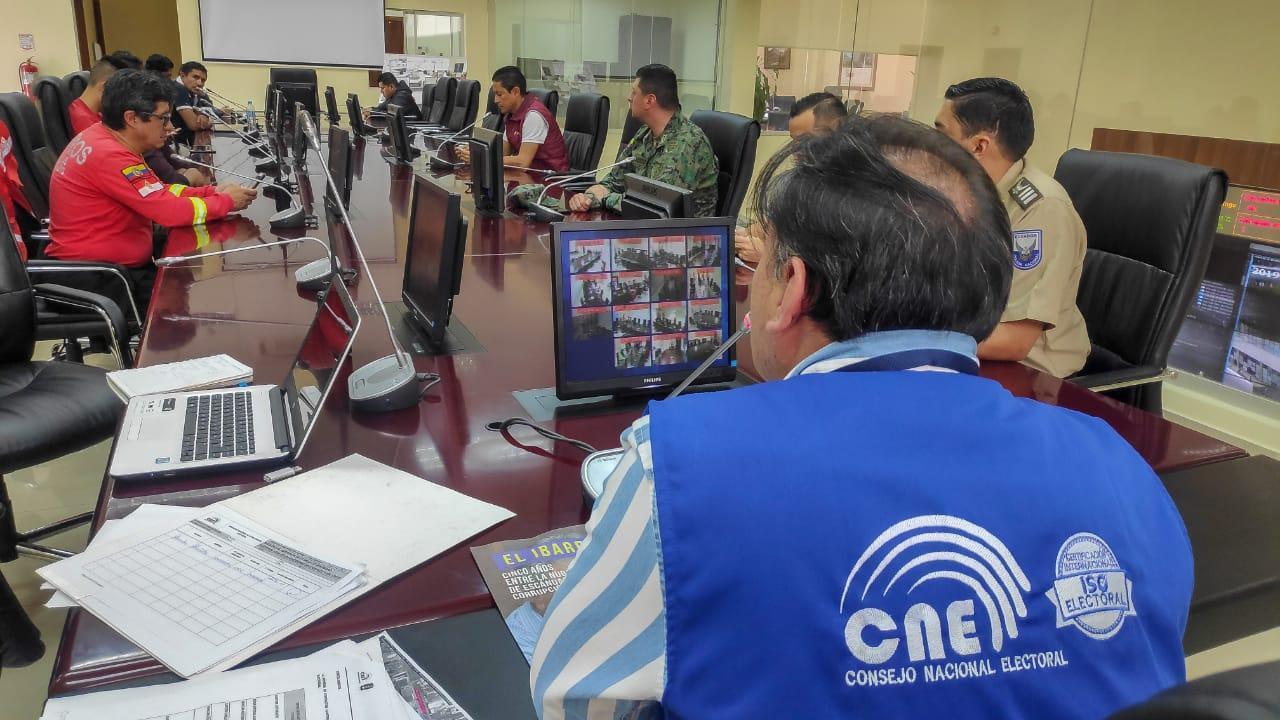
{"x": 203, "y": 592}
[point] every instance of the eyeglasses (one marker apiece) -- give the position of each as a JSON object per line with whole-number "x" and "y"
{"x": 166, "y": 119}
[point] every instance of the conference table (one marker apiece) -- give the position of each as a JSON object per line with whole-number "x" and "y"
{"x": 247, "y": 305}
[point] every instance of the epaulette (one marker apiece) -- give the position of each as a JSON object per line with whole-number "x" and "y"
{"x": 1024, "y": 193}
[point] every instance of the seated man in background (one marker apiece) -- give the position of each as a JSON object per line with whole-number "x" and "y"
{"x": 669, "y": 148}
{"x": 160, "y": 65}
{"x": 533, "y": 138}
{"x": 815, "y": 112}
{"x": 103, "y": 197}
{"x": 187, "y": 99}
{"x": 874, "y": 545}
{"x": 1042, "y": 326}
{"x": 396, "y": 93}
{"x": 85, "y": 110}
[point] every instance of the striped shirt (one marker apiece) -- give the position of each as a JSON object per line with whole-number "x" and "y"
{"x": 602, "y": 651}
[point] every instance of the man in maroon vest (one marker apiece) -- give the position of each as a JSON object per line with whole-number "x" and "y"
{"x": 533, "y": 139}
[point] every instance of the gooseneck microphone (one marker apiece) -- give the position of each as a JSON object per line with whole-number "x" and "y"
{"x": 546, "y": 214}
{"x": 390, "y": 382}
{"x": 291, "y": 217}
{"x": 720, "y": 351}
{"x": 257, "y": 148}
{"x": 176, "y": 259}
{"x": 435, "y": 156}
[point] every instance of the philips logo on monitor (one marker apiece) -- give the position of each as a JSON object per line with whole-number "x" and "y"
{"x": 653, "y": 379}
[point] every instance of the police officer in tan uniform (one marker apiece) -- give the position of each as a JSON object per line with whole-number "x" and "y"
{"x": 1041, "y": 326}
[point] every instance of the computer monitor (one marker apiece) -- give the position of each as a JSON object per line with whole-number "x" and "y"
{"x": 341, "y": 168}
{"x": 488, "y": 183}
{"x": 1231, "y": 333}
{"x": 355, "y": 116}
{"x": 277, "y": 113}
{"x": 433, "y": 262}
{"x": 304, "y": 93}
{"x": 331, "y": 104}
{"x": 649, "y": 199}
{"x": 639, "y": 304}
{"x": 401, "y": 146}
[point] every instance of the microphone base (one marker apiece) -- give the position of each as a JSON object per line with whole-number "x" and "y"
{"x": 384, "y": 386}
{"x": 315, "y": 275}
{"x": 288, "y": 219}
{"x": 266, "y": 166}
{"x": 542, "y": 213}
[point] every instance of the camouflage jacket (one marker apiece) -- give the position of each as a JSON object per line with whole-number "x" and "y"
{"x": 681, "y": 156}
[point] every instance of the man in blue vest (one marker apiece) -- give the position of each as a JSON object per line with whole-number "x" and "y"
{"x": 886, "y": 534}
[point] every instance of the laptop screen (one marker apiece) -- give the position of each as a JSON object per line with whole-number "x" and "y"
{"x": 325, "y": 349}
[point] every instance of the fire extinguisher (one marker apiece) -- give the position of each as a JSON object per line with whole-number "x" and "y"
{"x": 27, "y": 73}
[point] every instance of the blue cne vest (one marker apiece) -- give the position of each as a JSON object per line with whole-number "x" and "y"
{"x": 910, "y": 544}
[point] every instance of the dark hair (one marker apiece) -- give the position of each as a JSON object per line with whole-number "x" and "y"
{"x": 899, "y": 228}
{"x": 387, "y": 78}
{"x": 109, "y": 64}
{"x": 159, "y": 64}
{"x": 132, "y": 90}
{"x": 997, "y": 106}
{"x": 660, "y": 82}
{"x": 190, "y": 65}
{"x": 823, "y": 104}
{"x": 511, "y": 78}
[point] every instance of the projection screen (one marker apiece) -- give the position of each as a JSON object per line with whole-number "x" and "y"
{"x": 305, "y": 32}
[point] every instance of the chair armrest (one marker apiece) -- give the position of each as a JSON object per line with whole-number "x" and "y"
{"x": 51, "y": 268}
{"x": 1122, "y": 378}
{"x": 104, "y": 306}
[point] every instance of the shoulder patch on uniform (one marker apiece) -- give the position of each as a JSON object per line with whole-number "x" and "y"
{"x": 1028, "y": 248}
{"x": 1024, "y": 193}
{"x": 142, "y": 179}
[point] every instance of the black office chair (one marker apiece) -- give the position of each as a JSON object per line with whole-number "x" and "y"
{"x": 76, "y": 82}
{"x": 493, "y": 119}
{"x": 550, "y": 98}
{"x": 466, "y": 102}
{"x": 1249, "y": 693}
{"x": 441, "y": 101}
{"x": 1150, "y": 222}
{"x": 304, "y": 76}
{"x": 47, "y": 409}
{"x": 35, "y": 158}
{"x": 428, "y": 97}
{"x": 630, "y": 126}
{"x": 733, "y": 139}
{"x": 586, "y": 124}
{"x": 54, "y": 99}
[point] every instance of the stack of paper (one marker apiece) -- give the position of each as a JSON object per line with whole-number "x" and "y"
{"x": 204, "y": 589}
{"x": 205, "y": 373}
{"x": 342, "y": 682}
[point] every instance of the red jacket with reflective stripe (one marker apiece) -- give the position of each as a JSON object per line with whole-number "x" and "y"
{"x": 103, "y": 199}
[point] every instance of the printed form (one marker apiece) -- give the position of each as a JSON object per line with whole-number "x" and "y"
{"x": 201, "y": 593}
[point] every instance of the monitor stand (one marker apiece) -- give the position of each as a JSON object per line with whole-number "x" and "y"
{"x": 542, "y": 404}
{"x": 458, "y": 340}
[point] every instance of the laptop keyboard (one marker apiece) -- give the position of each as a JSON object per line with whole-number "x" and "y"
{"x": 218, "y": 426}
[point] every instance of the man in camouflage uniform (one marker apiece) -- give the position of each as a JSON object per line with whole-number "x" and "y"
{"x": 1041, "y": 326}
{"x": 669, "y": 148}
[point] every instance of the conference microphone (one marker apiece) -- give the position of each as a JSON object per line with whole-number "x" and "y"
{"x": 257, "y": 148}
{"x": 720, "y": 351}
{"x": 174, "y": 260}
{"x": 435, "y": 156}
{"x": 390, "y": 382}
{"x": 291, "y": 217}
{"x": 540, "y": 212}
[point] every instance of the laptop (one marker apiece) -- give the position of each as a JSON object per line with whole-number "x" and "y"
{"x": 171, "y": 434}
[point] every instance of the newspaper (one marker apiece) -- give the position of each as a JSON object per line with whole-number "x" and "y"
{"x": 522, "y": 575}
{"x": 419, "y": 690}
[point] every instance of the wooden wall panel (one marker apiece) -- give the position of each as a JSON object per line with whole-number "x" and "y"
{"x": 1246, "y": 163}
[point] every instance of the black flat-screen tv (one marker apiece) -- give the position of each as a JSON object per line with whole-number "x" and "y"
{"x": 401, "y": 145}
{"x": 433, "y": 261}
{"x": 341, "y": 168}
{"x": 649, "y": 199}
{"x": 639, "y": 304}
{"x": 488, "y": 182}
{"x": 331, "y": 104}
{"x": 356, "y": 117}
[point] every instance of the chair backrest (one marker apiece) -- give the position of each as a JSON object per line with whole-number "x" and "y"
{"x": 733, "y": 140}
{"x": 493, "y": 116}
{"x": 17, "y": 303}
{"x": 550, "y": 98}
{"x": 35, "y": 158}
{"x": 428, "y": 95}
{"x": 304, "y": 76}
{"x": 54, "y": 98}
{"x": 586, "y": 123}
{"x": 442, "y": 100}
{"x": 630, "y": 127}
{"x": 466, "y": 102}
{"x": 1150, "y": 222}
{"x": 1249, "y": 693}
{"x": 77, "y": 82}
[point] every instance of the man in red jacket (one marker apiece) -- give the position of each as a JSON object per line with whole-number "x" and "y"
{"x": 84, "y": 109}
{"x": 11, "y": 189}
{"x": 103, "y": 198}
